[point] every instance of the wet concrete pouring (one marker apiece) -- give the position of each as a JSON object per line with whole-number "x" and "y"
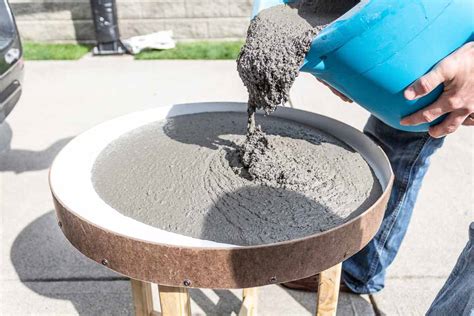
{"x": 278, "y": 40}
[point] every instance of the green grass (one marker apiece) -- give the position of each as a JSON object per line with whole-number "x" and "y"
{"x": 43, "y": 51}
{"x": 196, "y": 50}
{"x": 190, "y": 50}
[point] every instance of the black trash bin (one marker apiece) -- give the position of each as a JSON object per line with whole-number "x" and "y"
{"x": 104, "y": 13}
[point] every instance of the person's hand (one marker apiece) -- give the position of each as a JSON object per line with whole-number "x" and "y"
{"x": 457, "y": 73}
{"x": 336, "y": 92}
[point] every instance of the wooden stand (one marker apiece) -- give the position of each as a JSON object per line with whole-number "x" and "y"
{"x": 328, "y": 291}
{"x": 249, "y": 302}
{"x": 175, "y": 301}
{"x": 142, "y": 299}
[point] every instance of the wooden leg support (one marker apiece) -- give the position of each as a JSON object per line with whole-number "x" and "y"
{"x": 142, "y": 299}
{"x": 328, "y": 291}
{"x": 174, "y": 301}
{"x": 249, "y": 302}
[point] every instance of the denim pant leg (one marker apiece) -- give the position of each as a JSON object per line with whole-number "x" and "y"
{"x": 456, "y": 297}
{"x": 409, "y": 155}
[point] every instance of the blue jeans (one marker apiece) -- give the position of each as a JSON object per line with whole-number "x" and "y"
{"x": 409, "y": 154}
{"x": 456, "y": 297}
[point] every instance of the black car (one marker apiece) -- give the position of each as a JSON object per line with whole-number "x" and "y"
{"x": 11, "y": 62}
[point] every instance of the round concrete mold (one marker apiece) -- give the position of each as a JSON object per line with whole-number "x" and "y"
{"x": 148, "y": 253}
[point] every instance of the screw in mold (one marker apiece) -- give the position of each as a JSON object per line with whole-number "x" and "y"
{"x": 273, "y": 279}
{"x": 187, "y": 282}
{"x": 105, "y": 262}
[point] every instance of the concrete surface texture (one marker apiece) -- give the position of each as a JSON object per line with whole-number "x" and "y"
{"x": 42, "y": 274}
{"x": 71, "y": 20}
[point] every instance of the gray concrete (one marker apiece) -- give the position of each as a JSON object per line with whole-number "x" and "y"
{"x": 66, "y": 298}
{"x": 70, "y": 20}
{"x": 408, "y": 296}
{"x": 42, "y": 274}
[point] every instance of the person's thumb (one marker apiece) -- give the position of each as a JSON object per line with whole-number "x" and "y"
{"x": 426, "y": 83}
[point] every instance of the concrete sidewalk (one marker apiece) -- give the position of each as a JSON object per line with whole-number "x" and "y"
{"x": 41, "y": 273}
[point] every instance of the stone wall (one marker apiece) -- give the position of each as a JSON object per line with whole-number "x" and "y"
{"x": 70, "y": 20}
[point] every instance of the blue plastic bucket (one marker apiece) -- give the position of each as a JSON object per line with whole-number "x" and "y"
{"x": 379, "y": 47}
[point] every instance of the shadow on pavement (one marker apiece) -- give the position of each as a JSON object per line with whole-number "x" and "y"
{"x": 6, "y": 135}
{"x": 23, "y": 160}
{"x": 48, "y": 265}
{"x": 227, "y": 304}
{"x": 348, "y": 304}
